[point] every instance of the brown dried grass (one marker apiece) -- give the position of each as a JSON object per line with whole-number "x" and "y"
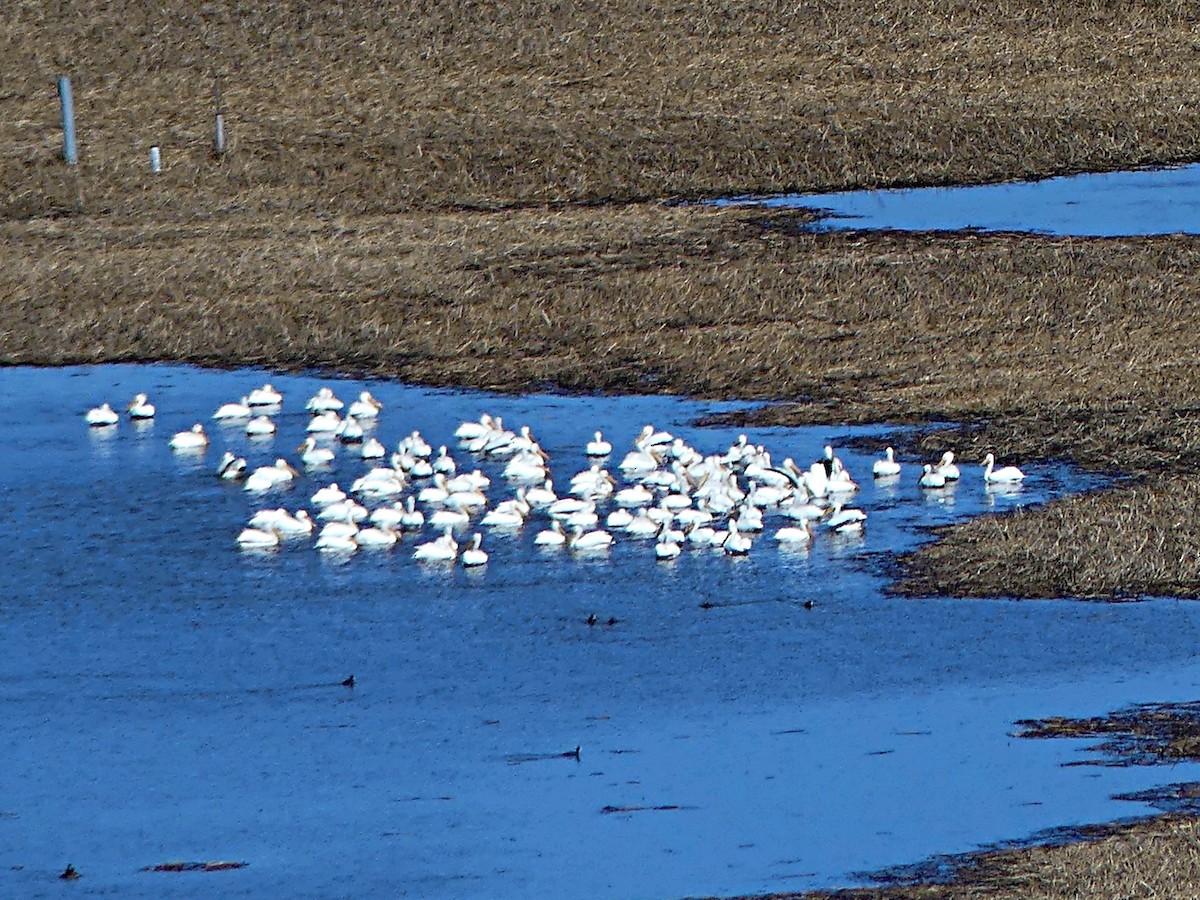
{"x": 377, "y": 107}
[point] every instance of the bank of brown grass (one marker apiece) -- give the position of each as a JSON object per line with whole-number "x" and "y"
{"x": 373, "y": 107}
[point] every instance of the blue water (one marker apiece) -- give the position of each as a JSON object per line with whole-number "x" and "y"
{"x": 168, "y": 697}
{"x": 1141, "y": 202}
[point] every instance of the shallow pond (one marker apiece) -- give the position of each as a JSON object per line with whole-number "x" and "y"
{"x": 1141, "y": 202}
{"x": 167, "y": 697}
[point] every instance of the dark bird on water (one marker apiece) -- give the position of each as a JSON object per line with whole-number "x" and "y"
{"x": 591, "y": 619}
{"x": 809, "y": 604}
{"x": 69, "y": 873}
{"x": 572, "y": 754}
{"x": 349, "y": 682}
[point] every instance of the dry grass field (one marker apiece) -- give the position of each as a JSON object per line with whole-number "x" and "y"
{"x": 500, "y": 195}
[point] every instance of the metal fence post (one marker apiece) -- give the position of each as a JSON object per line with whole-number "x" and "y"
{"x": 70, "y": 148}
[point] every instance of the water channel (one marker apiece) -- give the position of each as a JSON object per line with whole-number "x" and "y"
{"x": 167, "y": 696}
{"x": 1113, "y": 204}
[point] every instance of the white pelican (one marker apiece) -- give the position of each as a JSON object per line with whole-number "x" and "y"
{"x": 641, "y": 525}
{"x": 585, "y": 517}
{"x": 339, "y": 529}
{"x": 416, "y": 445}
{"x": 667, "y": 547}
{"x": 264, "y": 396}
{"x": 412, "y": 518}
{"x": 379, "y": 483}
{"x": 618, "y": 518}
{"x": 540, "y": 497}
{"x": 140, "y": 408}
{"x": 946, "y": 467}
{"x": 598, "y": 446}
{"x": 840, "y": 480}
{"x": 650, "y": 438}
{"x": 312, "y": 455}
{"x": 736, "y": 543}
{"x": 699, "y": 535}
{"x": 589, "y": 540}
{"x": 101, "y": 415}
{"x": 638, "y": 495}
{"x": 845, "y": 519}
{"x": 296, "y": 525}
{"x": 350, "y": 431}
{"x": 449, "y": 517}
{"x": 378, "y": 537}
{"x": 554, "y": 536}
{"x": 469, "y": 431}
{"x": 343, "y": 511}
{"x": 337, "y": 540}
{"x": 193, "y": 439}
{"x": 266, "y": 477}
{"x": 444, "y": 462}
{"x": 387, "y": 516}
{"x": 795, "y": 535}
{"x": 260, "y": 426}
{"x": 886, "y": 467}
{"x": 504, "y": 516}
{"x": 637, "y": 462}
{"x": 1003, "y": 475}
{"x": 749, "y": 518}
{"x": 231, "y": 467}
{"x": 331, "y": 493}
{"x": 327, "y": 422}
{"x": 365, "y": 407}
{"x": 931, "y": 478}
{"x": 443, "y": 549}
{"x": 258, "y": 538}
{"x": 474, "y": 555}
{"x": 526, "y": 466}
{"x": 323, "y": 401}
{"x": 238, "y": 410}
{"x": 372, "y": 449}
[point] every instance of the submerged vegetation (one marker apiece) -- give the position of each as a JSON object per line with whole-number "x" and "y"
{"x": 486, "y": 195}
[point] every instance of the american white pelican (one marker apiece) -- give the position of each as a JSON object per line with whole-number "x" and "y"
{"x": 795, "y": 535}
{"x": 1003, "y": 475}
{"x": 331, "y": 493}
{"x": 618, "y": 518}
{"x": 140, "y": 408}
{"x": 667, "y": 547}
{"x": 323, "y": 401}
{"x": 387, "y": 516}
{"x": 749, "y": 518}
{"x": 412, "y": 518}
{"x": 541, "y": 497}
{"x": 589, "y": 540}
{"x": 584, "y": 517}
{"x": 698, "y": 535}
{"x": 449, "y": 517}
{"x": 312, "y": 455}
{"x": 297, "y": 525}
{"x": 416, "y": 445}
{"x": 258, "y": 538}
{"x": 931, "y": 478}
{"x": 324, "y": 423}
{"x": 193, "y": 439}
{"x": 526, "y": 466}
{"x": 840, "y": 480}
{"x": 474, "y": 555}
{"x": 378, "y": 537}
{"x": 598, "y": 446}
{"x": 381, "y": 482}
{"x": 845, "y": 519}
{"x": 337, "y": 540}
{"x": 469, "y": 431}
{"x": 350, "y": 431}
{"x": 101, "y": 415}
{"x": 946, "y": 467}
{"x": 736, "y": 543}
{"x": 650, "y": 438}
{"x": 444, "y": 462}
{"x": 264, "y": 478}
{"x": 339, "y": 529}
{"x": 343, "y": 511}
{"x": 443, "y": 549}
{"x": 231, "y": 467}
{"x": 260, "y": 426}
{"x": 264, "y": 396}
{"x": 238, "y": 410}
{"x": 554, "y": 536}
{"x": 638, "y": 462}
{"x": 504, "y": 516}
{"x": 365, "y": 407}
{"x": 641, "y": 525}
{"x": 372, "y": 449}
{"x": 886, "y": 467}
{"x": 638, "y": 495}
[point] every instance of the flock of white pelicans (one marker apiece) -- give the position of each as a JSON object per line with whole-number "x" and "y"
{"x": 668, "y": 492}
